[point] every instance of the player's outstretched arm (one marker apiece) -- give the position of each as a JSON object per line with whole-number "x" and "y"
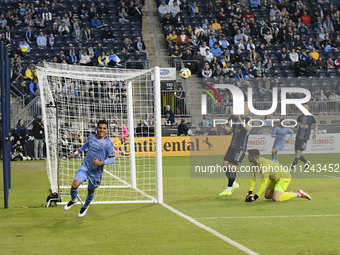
{"x": 228, "y": 129}
{"x": 74, "y": 154}
{"x": 315, "y": 131}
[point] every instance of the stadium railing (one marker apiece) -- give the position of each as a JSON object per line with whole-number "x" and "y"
{"x": 27, "y": 114}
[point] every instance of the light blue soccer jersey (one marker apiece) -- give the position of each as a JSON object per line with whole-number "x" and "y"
{"x": 280, "y": 140}
{"x": 99, "y": 149}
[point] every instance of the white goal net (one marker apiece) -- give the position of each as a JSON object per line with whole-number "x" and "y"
{"x": 74, "y": 99}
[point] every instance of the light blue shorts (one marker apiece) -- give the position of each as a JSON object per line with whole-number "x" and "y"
{"x": 278, "y": 146}
{"x": 94, "y": 178}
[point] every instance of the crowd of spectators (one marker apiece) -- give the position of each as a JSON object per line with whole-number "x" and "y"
{"x": 77, "y": 33}
{"x": 260, "y": 34}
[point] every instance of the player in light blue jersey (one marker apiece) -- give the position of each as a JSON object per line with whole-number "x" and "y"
{"x": 100, "y": 152}
{"x": 280, "y": 133}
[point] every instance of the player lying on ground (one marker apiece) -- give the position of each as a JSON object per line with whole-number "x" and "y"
{"x": 99, "y": 148}
{"x": 279, "y": 180}
{"x": 237, "y": 149}
{"x": 280, "y": 133}
{"x": 305, "y": 124}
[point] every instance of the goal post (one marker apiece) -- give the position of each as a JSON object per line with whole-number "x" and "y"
{"x": 73, "y": 99}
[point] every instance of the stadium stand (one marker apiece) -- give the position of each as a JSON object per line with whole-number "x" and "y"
{"x": 292, "y": 43}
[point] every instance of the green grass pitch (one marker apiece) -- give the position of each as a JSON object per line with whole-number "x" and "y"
{"x": 265, "y": 227}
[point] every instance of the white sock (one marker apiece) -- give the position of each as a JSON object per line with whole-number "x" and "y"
{"x": 297, "y": 195}
{"x": 228, "y": 189}
{"x": 234, "y": 184}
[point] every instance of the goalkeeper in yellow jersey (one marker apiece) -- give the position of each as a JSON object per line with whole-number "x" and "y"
{"x": 278, "y": 176}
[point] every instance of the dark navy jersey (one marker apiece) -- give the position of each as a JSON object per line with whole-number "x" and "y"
{"x": 305, "y": 128}
{"x": 240, "y": 135}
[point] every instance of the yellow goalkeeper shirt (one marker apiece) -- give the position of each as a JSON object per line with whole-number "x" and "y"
{"x": 270, "y": 170}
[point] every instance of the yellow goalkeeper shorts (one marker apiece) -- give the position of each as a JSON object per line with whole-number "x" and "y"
{"x": 279, "y": 185}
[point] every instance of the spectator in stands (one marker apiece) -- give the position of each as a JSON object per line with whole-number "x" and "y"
{"x": 239, "y": 36}
{"x": 206, "y": 122}
{"x": 210, "y": 8}
{"x": 334, "y": 97}
{"x": 15, "y": 61}
{"x": 182, "y": 39}
{"x": 253, "y": 57}
{"x": 34, "y": 87}
{"x": 206, "y": 71}
{"x": 328, "y": 24}
{"x": 169, "y": 116}
{"x": 30, "y": 73}
{"x": 213, "y": 131}
{"x": 216, "y": 26}
{"x": 209, "y": 56}
{"x": 73, "y": 59}
{"x": 41, "y": 40}
{"x": 284, "y": 56}
{"x": 182, "y": 129}
{"x": 323, "y": 106}
{"x": 17, "y": 76}
{"x": 274, "y": 11}
{"x": 85, "y": 59}
{"x": 330, "y": 63}
{"x": 51, "y": 41}
{"x": 314, "y": 54}
{"x": 304, "y": 56}
{"x": 310, "y": 69}
{"x": 216, "y": 51}
{"x": 78, "y": 34}
{"x": 258, "y": 70}
{"x": 123, "y": 16}
{"x": 102, "y": 10}
{"x": 293, "y": 56}
{"x": 88, "y": 35}
{"x": 320, "y": 63}
{"x": 268, "y": 37}
{"x": 128, "y": 45}
{"x": 63, "y": 29}
{"x": 193, "y": 9}
{"x": 254, "y": 3}
{"x": 148, "y": 121}
{"x": 176, "y": 51}
{"x": 305, "y": 18}
{"x": 163, "y": 9}
{"x": 300, "y": 68}
{"x": 174, "y": 9}
{"x": 47, "y": 16}
{"x": 172, "y": 38}
{"x": 139, "y": 45}
{"x": 28, "y": 34}
{"x": 264, "y": 85}
{"x": 103, "y": 60}
{"x": 24, "y": 47}
{"x": 107, "y": 35}
{"x": 96, "y": 23}
{"x": 3, "y": 21}
{"x": 224, "y": 43}
{"x": 240, "y": 78}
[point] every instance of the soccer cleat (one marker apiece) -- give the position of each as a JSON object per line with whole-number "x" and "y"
{"x": 82, "y": 212}
{"x": 227, "y": 193}
{"x": 304, "y": 194}
{"x": 307, "y": 165}
{"x": 69, "y": 205}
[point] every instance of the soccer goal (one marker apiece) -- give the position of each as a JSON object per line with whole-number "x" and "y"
{"x": 73, "y": 99}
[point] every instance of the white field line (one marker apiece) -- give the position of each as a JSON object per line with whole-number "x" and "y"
{"x": 330, "y": 176}
{"x": 210, "y": 230}
{"x": 269, "y": 216}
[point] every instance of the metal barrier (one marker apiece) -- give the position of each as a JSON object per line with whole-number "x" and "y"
{"x": 136, "y": 64}
{"x": 178, "y": 101}
{"x": 27, "y": 114}
{"x": 166, "y": 61}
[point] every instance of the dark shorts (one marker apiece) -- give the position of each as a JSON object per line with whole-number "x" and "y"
{"x": 235, "y": 155}
{"x": 301, "y": 145}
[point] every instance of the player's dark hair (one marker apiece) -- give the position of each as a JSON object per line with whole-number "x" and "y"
{"x": 254, "y": 153}
{"x": 103, "y": 122}
{"x": 281, "y": 121}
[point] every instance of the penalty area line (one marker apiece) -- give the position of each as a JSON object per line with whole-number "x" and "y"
{"x": 210, "y": 230}
{"x": 269, "y": 216}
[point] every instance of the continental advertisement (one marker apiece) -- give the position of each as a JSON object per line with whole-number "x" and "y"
{"x": 173, "y": 146}
{"x": 177, "y": 146}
